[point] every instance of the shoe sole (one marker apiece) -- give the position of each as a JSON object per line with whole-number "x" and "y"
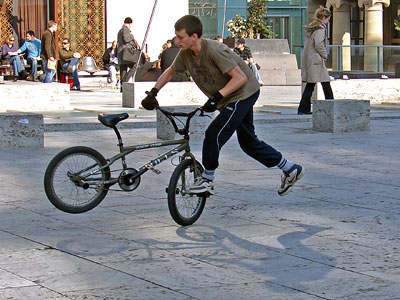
{"x": 290, "y": 185}
{"x": 201, "y": 190}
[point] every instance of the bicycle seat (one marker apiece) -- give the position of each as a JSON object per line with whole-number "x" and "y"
{"x": 112, "y": 120}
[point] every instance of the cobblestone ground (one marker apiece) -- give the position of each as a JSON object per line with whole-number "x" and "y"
{"x": 335, "y": 236}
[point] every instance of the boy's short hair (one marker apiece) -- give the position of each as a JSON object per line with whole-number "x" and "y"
{"x": 191, "y": 24}
{"x": 128, "y": 20}
{"x": 51, "y": 23}
{"x": 30, "y": 32}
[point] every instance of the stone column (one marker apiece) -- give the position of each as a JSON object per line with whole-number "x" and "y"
{"x": 340, "y": 27}
{"x": 373, "y": 34}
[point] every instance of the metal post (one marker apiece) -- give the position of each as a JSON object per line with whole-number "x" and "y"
{"x": 223, "y": 20}
{"x": 378, "y": 50}
{"x": 145, "y": 38}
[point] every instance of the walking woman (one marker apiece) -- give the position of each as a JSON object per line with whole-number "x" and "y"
{"x": 313, "y": 63}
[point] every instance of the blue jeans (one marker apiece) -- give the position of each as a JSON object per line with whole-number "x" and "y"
{"x": 237, "y": 116}
{"x": 33, "y": 63}
{"x": 49, "y": 74}
{"x": 74, "y": 64}
{"x": 15, "y": 61}
{"x": 255, "y": 72}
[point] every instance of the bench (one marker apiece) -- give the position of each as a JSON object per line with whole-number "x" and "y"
{"x": 343, "y": 115}
{"x": 24, "y": 96}
{"x": 21, "y": 131}
{"x": 7, "y": 70}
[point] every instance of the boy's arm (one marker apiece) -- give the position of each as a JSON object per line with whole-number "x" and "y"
{"x": 164, "y": 78}
{"x": 150, "y": 102}
{"x": 238, "y": 79}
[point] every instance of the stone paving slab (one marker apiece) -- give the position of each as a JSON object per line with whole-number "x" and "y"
{"x": 333, "y": 237}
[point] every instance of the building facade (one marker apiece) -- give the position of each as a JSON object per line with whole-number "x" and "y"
{"x": 92, "y": 25}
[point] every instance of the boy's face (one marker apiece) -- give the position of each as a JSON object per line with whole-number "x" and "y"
{"x": 183, "y": 40}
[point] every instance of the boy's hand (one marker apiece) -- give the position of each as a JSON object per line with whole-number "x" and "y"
{"x": 211, "y": 104}
{"x": 150, "y": 102}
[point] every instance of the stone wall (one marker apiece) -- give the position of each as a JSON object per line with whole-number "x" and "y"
{"x": 31, "y": 96}
{"x": 376, "y": 90}
{"x": 278, "y": 66}
{"x": 173, "y": 93}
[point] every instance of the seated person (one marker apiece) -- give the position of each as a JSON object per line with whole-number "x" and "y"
{"x": 110, "y": 62}
{"x": 168, "y": 57}
{"x": 33, "y": 46}
{"x": 69, "y": 61}
{"x": 245, "y": 53}
{"x": 9, "y": 52}
{"x": 219, "y": 39}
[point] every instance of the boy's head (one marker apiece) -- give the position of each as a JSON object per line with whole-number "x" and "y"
{"x": 188, "y": 31}
{"x": 191, "y": 24}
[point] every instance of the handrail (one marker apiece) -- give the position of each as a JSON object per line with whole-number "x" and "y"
{"x": 378, "y": 59}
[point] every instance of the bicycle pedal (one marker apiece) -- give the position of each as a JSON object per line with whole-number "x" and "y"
{"x": 156, "y": 171}
{"x": 153, "y": 169}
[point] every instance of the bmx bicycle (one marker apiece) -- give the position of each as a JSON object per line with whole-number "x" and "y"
{"x": 78, "y": 178}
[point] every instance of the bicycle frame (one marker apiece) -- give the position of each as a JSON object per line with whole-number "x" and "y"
{"x": 183, "y": 145}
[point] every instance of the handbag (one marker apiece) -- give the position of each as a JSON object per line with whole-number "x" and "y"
{"x": 51, "y": 64}
{"x": 130, "y": 54}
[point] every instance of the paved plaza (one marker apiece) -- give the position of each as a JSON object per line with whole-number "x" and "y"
{"x": 335, "y": 236}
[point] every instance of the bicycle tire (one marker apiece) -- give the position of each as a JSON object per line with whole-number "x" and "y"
{"x": 65, "y": 193}
{"x": 185, "y": 209}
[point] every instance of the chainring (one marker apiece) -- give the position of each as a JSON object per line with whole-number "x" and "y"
{"x": 126, "y": 180}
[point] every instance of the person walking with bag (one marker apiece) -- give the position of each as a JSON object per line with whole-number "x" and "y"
{"x": 125, "y": 40}
{"x": 48, "y": 52}
{"x": 313, "y": 63}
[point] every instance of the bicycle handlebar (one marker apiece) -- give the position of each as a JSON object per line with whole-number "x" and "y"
{"x": 181, "y": 114}
{"x": 185, "y": 130}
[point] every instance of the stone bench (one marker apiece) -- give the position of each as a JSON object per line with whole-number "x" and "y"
{"x": 21, "y": 131}
{"x": 173, "y": 93}
{"x": 28, "y": 96}
{"x": 198, "y": 125}
{"x": 344, "y": 115}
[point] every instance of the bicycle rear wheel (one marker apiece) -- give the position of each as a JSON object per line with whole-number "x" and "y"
{"x": 73, "y": 182}
{"x": 185, "y": 208}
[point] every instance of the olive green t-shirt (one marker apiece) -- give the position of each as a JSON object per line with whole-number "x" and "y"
{"x": 209, "y": 70}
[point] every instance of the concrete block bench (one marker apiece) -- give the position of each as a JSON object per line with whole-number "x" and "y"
{"x": 33, "y": 96}
{"x": 173, "y": 93}
{"x": 21, "y": 131}
{"x": 198, "y": 125}
{"x": 342, "y": 115}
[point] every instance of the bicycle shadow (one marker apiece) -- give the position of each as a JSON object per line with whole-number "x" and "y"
{"x": 286, "y": 262}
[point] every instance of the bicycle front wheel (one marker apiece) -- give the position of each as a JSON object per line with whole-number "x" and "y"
{"x": 185, "y": 208}
{"x": 74, "y": 182}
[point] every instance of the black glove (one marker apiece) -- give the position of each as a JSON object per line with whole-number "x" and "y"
{"x": 211, "y": 104}
{"x": 150, "y": 102}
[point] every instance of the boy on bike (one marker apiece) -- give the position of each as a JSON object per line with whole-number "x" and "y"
{"x": 232, "y": 89}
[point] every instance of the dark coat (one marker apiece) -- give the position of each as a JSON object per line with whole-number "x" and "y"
{"x": 124, "y": 38}
{"x": 48, "y": 48}
{"x": 106, "y": 59}
{"x": 167, "y": 58}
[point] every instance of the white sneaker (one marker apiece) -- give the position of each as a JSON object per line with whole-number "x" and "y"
{"x": 202, "y": 185}
{"x": 289, "y": 178}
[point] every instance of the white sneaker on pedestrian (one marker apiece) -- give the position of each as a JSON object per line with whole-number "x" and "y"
{"x": 289, "y": 178}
